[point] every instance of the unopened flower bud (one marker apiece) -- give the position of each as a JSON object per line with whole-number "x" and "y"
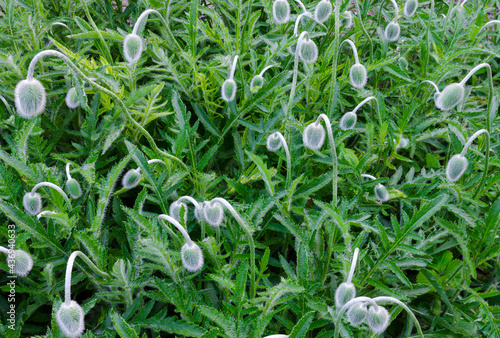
{"x": 213, "y": 213}
{"x": 73, "y": 188}
{"x": 22, "y": 263}
{"x": 450, "y": 97}
{"x": 308, "y": 51}
{"x": 392, "y": 31}
{"x": 381, "y": 192}
{"x": 348, "y": 20}
{"x": 132, "y": 48}
{"x": 273, "y": 142}
{"x": 281, "y": 11}
{"x": 403, "y": 143}
{"x": 192, "y": 257}
{"x": 410, "y": 8}
{"x": 131, "y": 178}
{"x": 30, "y": 98}
{"x": 256, "y": 84}
{"x": 456, "y": 167}
{"x": 344, "y": 293}
{"x": 71, "y": 99}
{"x": 32, "y": 202}
{"x": 357, "y": 313}
{"x": 358, "y": 75}
{"x": 348, "y": 121}
{"x": 70, "y": 319}
{"x": 228, "y": 90}
{"x": 175, "y": 211}
{"x": 323, "y": 11}
{"x": 378, "y": 318}
{"x": 314, "y": 136}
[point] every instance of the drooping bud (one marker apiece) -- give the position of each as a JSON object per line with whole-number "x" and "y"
{"x": 358, "y": 75}
{"x": 378, "y": 318}
{"x": 71, "y": 99}
{"x": 131, "y": 178}
{"x": 392, "y": 31}
{"x": 450, "y": 97}
{"x": 213, "y": 213}
{"x": 344, "y": 293}
{"x": 281, "y": 11}
{"x": 314, "y": 136}
{"x": 22, "y": 263}
{"x": 228, "y": 90}
{"x": 357, "y": 313}
{"x": 192, "y": 257}
{"x": 308, "y": 51}
{"x": 256, "y": 84}
{"x": 410, "y": 8}
{"x": 456, "y": 167}
{"x": 381, "y": 192}
{"x": 348, "y": 121}
{"x": 175, "y": 211}
{"x": 323, "y": 11}
{"x": 30, "y": 98}
{"x": 32, "y": 202}
{"x": 73, "y": 188}
{"x": 348, "y": 20}
{"x": 132, "y": 48}
{"x": 70, "y": 319}
{"x": 198, "y": 214}
{"x": 273, "y": 142}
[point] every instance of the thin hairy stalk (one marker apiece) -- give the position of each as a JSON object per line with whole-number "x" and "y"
{"x": 55, "y": 187}
{"x": 354, "y": 50}
{"x": 358, "y": 13}
{"x": 336, "y": 48}
{"x": 367, "y": 100}
{"x": 334, "y": 156}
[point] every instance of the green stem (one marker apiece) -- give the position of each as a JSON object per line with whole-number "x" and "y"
{"x": 336, "y": 47}
{"x": 334, "y": 156}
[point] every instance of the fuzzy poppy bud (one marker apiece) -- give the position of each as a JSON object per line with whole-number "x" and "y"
{"x": 314, "y": 136}
{"x": 344, "y": 293}
{"x": 71, "y": 99}
{"x": 308, "y": 51}
{"x": 281, "y": 11}
{"x": 175, "y": 211}
{"x": 450, "y": 97}
{"x": 192, "y": 257}
{"x": 273, "y": 142}
{"x": 381, "y": 192}
{"x": 30, "y": 98}
{"x": 323, "y": 11}
{"x": 358, "y": 75}
{"x": 22, "y": 263}
{"x": 456, "y": 167}
{"x": 213, "y": 213}
{"x": 357, "y": 313}
{"x": 256, "y": 84}
{"x": 348, "y": 121}
{"x": 348, "y": 20}
{"x": 229, "y": 90}
{"x": 410, "y": 8}
{"x": 32, "y": 202}
{"x": 403, "y": 143}
{"x": 70, "y": 319}
{"x": 392, "y": 31}
{"x": 378, "y": 318}
{"x": 131, "y": 178}
{"x": 132, "y": 48}
{"x": 73, "y": 188}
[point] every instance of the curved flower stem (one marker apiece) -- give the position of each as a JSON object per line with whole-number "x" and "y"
{"x": 178, "y": 226}
{"x": 334, "y": 156}
{"x": 369, "y": 176}
{"x": 353, "y": 265}
{"x": 403, "y": 305}
{"x": 122, "y": 105}
{"x": 67, "y": 171}
{"x": 336, "y": 48}
{"x": 144, "y": 16}
{"x": 302, "y": 6}
{"x": 45, "y": 212}
{"x": 305, "y": 15}
{"x": 346, "y": 307}
{"x": 288, "y": 160}
{"x": 233, "y": 67}
{"x": 156, "y": 161}
{"x": 248, "y": 233}
{"x": 354, "y": 50}
{"x": 367, "y": 100}
{"x": 472, "y": 138}
{"x": 55, "y": 187}
{"x": 266, "y": 68}
{"x": 433, "y": 84}
{"x": 69, "y": 269}
{"x": 396, "y": 10}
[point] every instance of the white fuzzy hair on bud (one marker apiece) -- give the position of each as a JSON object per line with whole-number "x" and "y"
{"x": 348, "y": 20}
{"x": 358, "y": 75}
{"x": 192, "y": 257}
{"x": 314, "y": 136}
{"x": 281, "y": 11}
{"x": 381, "y": 192}
{"x": 357, "y": 313}
{"x": 392, "y": 31}
{"x": 175, "y": 211}
{"x": 344, "y": 293}
{"x": 274, "y": 142}
{"x": 308, "y": 51}
{"x": 450, "y": 97}
{"x": 21, "y": 264}
{"x": 256, "y": 83}
{"x": 213, "y": 213}
{"x": 32, "y": 202}
{"x": 348, "y": 121}
{"x": 377, "y": 318}
{"x": 410, "y": 8}
{"x": 323, "y": 11}
{"x": 73, "y": 188}
{"x": 30, "y": 98}
{"x": 457, "y": 165}
{"x": 403, "y": 143}
{"x": 71, "y": 99}
{"x": 228, "y": 91}
{"x": 131, "y": 178}
{"x": 132, "y": 48}
{"x": 70, "y": 319}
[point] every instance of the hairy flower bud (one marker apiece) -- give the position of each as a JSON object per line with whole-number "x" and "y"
{"x": 358, "y": 75}
{"x": 344, "y": 293}
{"x": 132, "y": 48}
{"x": 450, "y": 97}
{"x": 175, "y": 211}
{"x": 314, "y": 136}
{"x": 30, "y": 98}
{"x": 456, "y": 167}
{"x": 213, "y": 213}
{"x": 22, "y": 263}
{"x": 403, "y": 143}
{"x": 323, "y": 11}
{"x": 131, "y": 178}
{"x": 70, "y": 319}
{"x": 73, "y": 188}
{"x": 308, "y": 51}
{"x": 192, "y": 257}
{"x": 256, "y": 84}
{"x": 32, "y": 202}
{"x": 228, "y": 90}
{"x": 71, "y": 99}
{"x": 348, "y": 20}
{"x": 357, "y": 313}
{"x": 281, "y": 11}
{"x": 273, "y": 142}
{"x": 381, "y": 192}
{"x": 348, "y": 121}
{"x": 392, "y": 31}
{"x": 377, "y": 318}
{"x": 410, "y": 8}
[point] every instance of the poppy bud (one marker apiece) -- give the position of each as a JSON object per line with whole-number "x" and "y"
{"x": 70, "y": 319}
{"x": 281, "y": 11}
{"x": 71, "y": 99}
{"x": 175, "y": 211}
{"x": 256, "y": 84}
{"x": 456, "y": 167}
{"x": 357, "y": 313}
{"x": 450, "y": 97}
{"x": 381, "y": 192}
{"x": 314, "y": 136}
{"x": 358, "y": 75}
{"x": 377, "y": 318}
{"x": 192, "y": 257}
{"x": 132, "y": 48}
{"x": 308, "y": 51}
{"x": 213, "y": 213}
{"x": 22, "y": 263}
{"x": 229, "y": 90}
{"x": 32, "y": 202}
{"x": 131, "y": 178}
{"x": 273, "y": 142}
{"x": 344, "y": 293}
{"x": 348, "y": 121}
{"x": 392, "y": 31}
{"x": 30, "y": 98}
{"x": 73, "y": 188}
{"x": 348, "y": 20}
{"x": 410, "y": 8}
{"x": 403, "y": 143}
{"x": 323, "y": 11}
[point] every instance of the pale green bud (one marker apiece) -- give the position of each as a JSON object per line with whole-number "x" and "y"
{"x": 256, "y": 84}
{"x": 348, "y": 121}
{"x": 71, "y": 99}
{"x": 357, "y": 313}
{"x": 192, "y": 257}
{"x": 30, "y": 98}
{"x": 228, "y": 90}
{"x": 344, "y": 293}
{"x": 281, "y": 11}
{"x": 358, "y": 75}
{"x": 32, "y": 202}
{"x": 378, "y": 319}
{"x": 392, "y": 31}
{"x": 323, "y": 11}
{"x": 456, "y": 167}
{"x": 213, "y": 213}
{"x": 23, "y": 263}
{"x": 410, "y": 8}
{"x": 381, "y": 192}
{"x": 314, "y": 136}
{"x": 70, "y": 319}
{"x": 450, "y": 97}
{"x": 131, "y": 178}
{"x": 308, "y": 51}
{"x": 132, "y": 48}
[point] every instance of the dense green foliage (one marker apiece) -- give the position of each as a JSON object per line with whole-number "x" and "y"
{"x": 432, "y": 244}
